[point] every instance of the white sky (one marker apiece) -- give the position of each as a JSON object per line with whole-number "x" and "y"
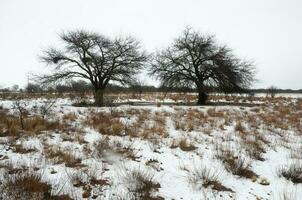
{"x": 266, "y": 31}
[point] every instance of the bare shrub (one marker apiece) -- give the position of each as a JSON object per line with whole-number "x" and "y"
{"x": 46, "y": 107}
{"x": 213, "y": 113}
{"x": 20, "y": 107}
{"x": 272, "y": 91}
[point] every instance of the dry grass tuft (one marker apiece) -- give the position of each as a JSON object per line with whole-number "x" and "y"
{"x": 141, "y": 184}
{"x": 104, "y": 146}
{"x": 254, "y": 148}
{"x": 106, "y": 123}
{"x": 10, "y": 125}
{"x": 18, "y": 148}
{"x": 293, "y": 172}
{"x": 213, "y": 113}
{"x": 101, "y": 147}
{"x": 205, "y": 177}
{"x": 28, "y": 185}
{"x": 70, "y": 117}
{"x": 239, "y": 127}
{"x": 183, "y": 144}
{"x": 236, "y": 164}
{"x": 58, "y": 156}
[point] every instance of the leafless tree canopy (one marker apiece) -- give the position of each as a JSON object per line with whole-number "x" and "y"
{"x": 197, "y": 60}
{"x": 96, "y": 58}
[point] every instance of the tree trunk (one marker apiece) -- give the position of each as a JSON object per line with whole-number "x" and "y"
{"x": 99, "y": 97}
{"x": 202, "y": 97}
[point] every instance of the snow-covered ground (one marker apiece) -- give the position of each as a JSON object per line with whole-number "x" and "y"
{"x": 187, "y": 151}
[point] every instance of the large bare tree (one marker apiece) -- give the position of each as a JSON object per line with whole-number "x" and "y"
{"x": 197, "y": 60}
{"x": 96, "y": 58}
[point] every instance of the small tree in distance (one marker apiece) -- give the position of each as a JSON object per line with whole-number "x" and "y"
{"x": 96, "y": 58}
{"x": 272, "y": 91}
{"x": 196, "y": 60}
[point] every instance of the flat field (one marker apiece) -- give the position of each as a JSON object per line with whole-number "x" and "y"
{"x": 151, "y": 146}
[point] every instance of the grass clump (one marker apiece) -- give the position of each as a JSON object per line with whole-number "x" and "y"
{"x": 236, "y": 164}
{"x": 293, "y": 172}
{"x": 207, "y": 178}
{"x": 141, "y": 184}
{"x": 28, "y": 186}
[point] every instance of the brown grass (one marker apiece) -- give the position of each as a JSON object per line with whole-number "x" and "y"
{"x": 59, "y": 156}
{"x": 292, "y": 172}
{"x": 254, "y": 148}
{"x": 239, "y": 127}
{"x": 141, "y": 184}
{"x": 106, "y": 123}
{"x": 70, "y": 117}
{"x": 205, "y": 177}
{"x": 10, "y": 125}
{"x": 236, "y": 164}
{"x": 104, "y": 145}
{"x": 213, "y": 113}
{"x": 28, "y": 185}
{"x": 189, "y": 120}
{"x": 183, "y": 144}
{"x": 18, "y": 148}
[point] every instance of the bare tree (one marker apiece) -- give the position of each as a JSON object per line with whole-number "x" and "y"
{"x": 96, "y": 58}
{"x": 272, "y": 91}
{"x": 196, "y": 60}
{"x": 20, "y": 107}
{"x": 46, "y": 108}
{"x": 32, "y": 88}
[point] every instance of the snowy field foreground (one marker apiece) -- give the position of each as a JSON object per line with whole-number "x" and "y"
{"x": 248, "y": 150}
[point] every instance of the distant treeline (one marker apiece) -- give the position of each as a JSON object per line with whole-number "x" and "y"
{"x": 82, "y": 86}
{"x": 276, "y": 90}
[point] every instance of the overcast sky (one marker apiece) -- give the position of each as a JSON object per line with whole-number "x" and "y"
{"x": 269, "y": 32}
